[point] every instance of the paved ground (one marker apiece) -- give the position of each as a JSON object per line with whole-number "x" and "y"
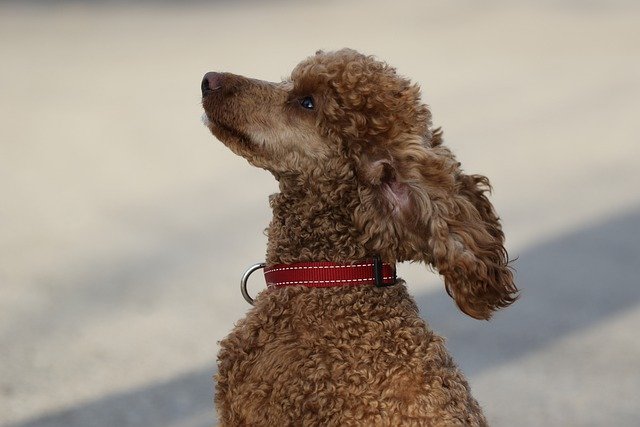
{"x": 124, "y": 226}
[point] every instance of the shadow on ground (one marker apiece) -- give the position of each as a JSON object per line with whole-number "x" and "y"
{"x": 184, "y": 401}
{"x": 568, "y": 284}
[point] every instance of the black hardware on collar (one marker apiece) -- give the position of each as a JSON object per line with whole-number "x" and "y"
{"x": 377, "y": 273}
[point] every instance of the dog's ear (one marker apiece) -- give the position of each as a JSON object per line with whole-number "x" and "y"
{"x": 443, "y": 217}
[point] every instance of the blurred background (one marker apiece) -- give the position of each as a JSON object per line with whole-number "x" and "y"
{"x": 125, "y": 226}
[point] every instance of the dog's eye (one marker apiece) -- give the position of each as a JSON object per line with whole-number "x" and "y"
{"x": 307, "y": 102}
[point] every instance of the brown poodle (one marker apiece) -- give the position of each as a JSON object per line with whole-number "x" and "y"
{"x": 362, "y": 174}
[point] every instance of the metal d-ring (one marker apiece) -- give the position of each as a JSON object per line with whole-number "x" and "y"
{"x": 245, "y": 278}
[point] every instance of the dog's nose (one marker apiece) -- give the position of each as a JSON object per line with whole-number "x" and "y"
{"x": 211, "y": 81}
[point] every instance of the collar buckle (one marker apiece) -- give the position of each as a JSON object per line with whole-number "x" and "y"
{"x": 378, "y": 277}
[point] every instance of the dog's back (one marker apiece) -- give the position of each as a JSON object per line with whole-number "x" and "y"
{"x": 339, "y": 357}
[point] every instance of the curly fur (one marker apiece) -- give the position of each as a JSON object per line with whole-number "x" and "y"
{"x": 363, "y": 173}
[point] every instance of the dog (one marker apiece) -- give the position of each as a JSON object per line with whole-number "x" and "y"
{"x": 365, "y": 182}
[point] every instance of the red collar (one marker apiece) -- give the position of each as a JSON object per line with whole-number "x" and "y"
{"x": 371, "y": 272}
{"x": 330, "y": 274}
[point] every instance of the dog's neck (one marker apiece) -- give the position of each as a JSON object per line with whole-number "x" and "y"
{"x": 313, "y": 220}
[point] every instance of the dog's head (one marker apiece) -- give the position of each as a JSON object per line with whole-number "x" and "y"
{"x": 344, "y": 114}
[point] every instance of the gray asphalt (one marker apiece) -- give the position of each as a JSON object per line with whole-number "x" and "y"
{"x": 124, "y": 226}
